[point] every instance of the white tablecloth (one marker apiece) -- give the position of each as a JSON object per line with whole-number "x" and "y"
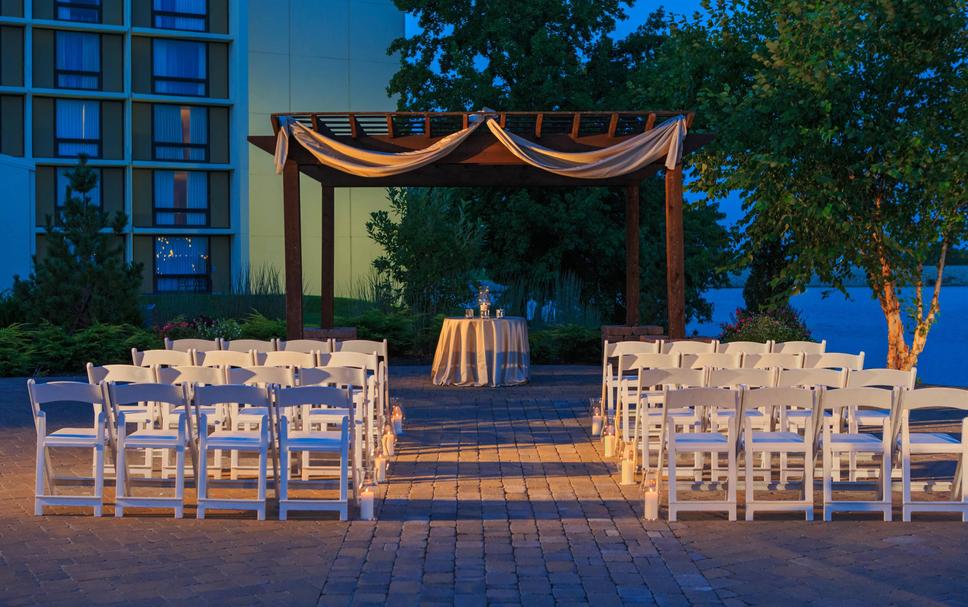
{"x": 482, "y": 352}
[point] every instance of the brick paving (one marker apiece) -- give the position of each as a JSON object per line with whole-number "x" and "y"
{"x": 497, "y": 496}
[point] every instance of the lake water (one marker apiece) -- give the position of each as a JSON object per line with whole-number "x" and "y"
{"x": 858, "y": 324}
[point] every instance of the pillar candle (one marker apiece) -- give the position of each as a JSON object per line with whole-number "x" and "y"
{"x": 651, "y": 504}
{"x": 366, "y": 503}
{"x": 609, "y": 445}
{"x": 628, "y": 472}
{"x": 380, "y": 468}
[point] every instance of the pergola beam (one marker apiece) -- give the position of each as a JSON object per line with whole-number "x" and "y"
{"x": 292, "y": 231}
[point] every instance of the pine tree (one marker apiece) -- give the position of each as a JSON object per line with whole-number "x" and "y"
{"x": 82, "y": 279}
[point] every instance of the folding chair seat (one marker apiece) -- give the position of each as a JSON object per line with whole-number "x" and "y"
{"x": 934, "y": 444}
{"x": 799, "y": 347}
{"x": 176, "y": 440}
{"x": 338, "y": 405}
{"x": 834, "y": 446}
{"x": 700, "y": 443}
{"x": 255, "y": 441}
{"x": 91, "y": 437}
{"x": 881, "y": 378}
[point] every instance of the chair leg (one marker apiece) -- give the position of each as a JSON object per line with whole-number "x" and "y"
{"x": 304, "y": 469}
{"x": 672, "y": 486}
{"x": 827, "y": 483}
{"x": 201, "y": 483}
{"x": 99, "y": 480}
{"x": 886, "y": 493}
{"x": 263, "y": 457}
{"x": 283, "y": 481}
{"x": 343, "y": 473}
{"x": 121, "y": 479}
{"x": 731, "y": 478}
{"x": 40, "y": 479}
{"x": 749, "y": 482}
{"x": 906, "y": 487}
{"x": 808, "y": 482}
{"x": 180, "y": 481}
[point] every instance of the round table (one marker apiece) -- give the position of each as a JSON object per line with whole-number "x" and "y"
{"x": 482, "y": 352}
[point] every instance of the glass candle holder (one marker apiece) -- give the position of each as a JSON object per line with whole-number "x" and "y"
{"x": 468, "y": 312}
{"x": 499, "y": 312}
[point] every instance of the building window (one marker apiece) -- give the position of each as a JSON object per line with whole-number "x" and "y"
{"x": 179, "y": 67}
{"x": 88, "y": 11}
{"x": 180, "y": 14}
{"x": 180, "y": 133}
{"x": 78, "y": 60}
{"x": 181, "y": 198}
{"x": 78, "y": 128}
{"x": 63, "y": 181}
{"x": 181, "y": 264}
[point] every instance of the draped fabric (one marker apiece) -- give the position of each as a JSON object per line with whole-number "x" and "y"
{"x": 664, "y": 141}
{"x": 358, "y": 161}
{"x": 482, "y": 352}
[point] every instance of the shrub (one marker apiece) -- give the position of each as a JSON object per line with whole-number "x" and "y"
{"x": 783, "y": 324}
{"x": 212, "y": 328}
{"x": 565, "y": 344}
{"x": 48, "y": 348}
{"x": 14, "y": 354}
{"x": 257, "y": 326}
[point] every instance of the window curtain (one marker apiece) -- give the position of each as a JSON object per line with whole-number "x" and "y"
{"x": 191, "y": 15}
{"x": 175, "y": 60}
{"x": 78, "y": 52}
{"x": 63, "y": 181}
{"x": 78, "y": 121}
{"x": 175, "y": 126}
{"x": 82, "y": 12}
{"x": 181, "y": 190}
{"x": 181, "y": 263}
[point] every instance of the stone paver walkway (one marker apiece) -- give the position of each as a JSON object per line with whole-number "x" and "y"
{"x": 497, "y": 497}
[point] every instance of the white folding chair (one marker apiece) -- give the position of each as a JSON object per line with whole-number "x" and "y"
{"x": 625, "y": 378}
{"x": 356, "y": 383}
{"x": 160, "y": 358}
{"x": 338, "y": 410}
{"x": 834, "y": 360}
{"x": 143, "y": 415}
{"x": 744, "y": 347}
{"x": 647, "y": 394}
{"x": 760, "y": 419}
{"x": 611, "y": 352}
{"x": 245, "y": 345}
{"x": 895, "y": 379}
{"x": 699, "y": 443}
{"x": 689, "y": 346}
{"x": 934, "y": 444}
{"x": 256, "y": 441}
{"x": 371, "y": 362}
{"x": 188, "y": 377}
{"x": 382, "y": 351}
{"x": 782, "y": 441}
{"x": 164, "y": 439}
{"x": 249, "y": 417}
{"x": 286, "y": 359}
{"x": 784, "y": 360}
{"x": 309, "y": 346}
{"x": 222, "y": 358}
{"x": 92, "y": 437}
{"x": 797, "y": 419}
{"x": 799, "y": 347}
{"x": 185, "y": 345}
{"x": 835, "y": 445}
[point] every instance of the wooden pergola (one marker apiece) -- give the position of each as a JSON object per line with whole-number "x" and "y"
{"x": 478, "y": 161}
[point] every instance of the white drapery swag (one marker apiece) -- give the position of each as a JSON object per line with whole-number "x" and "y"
{"x": 620, "y": 159}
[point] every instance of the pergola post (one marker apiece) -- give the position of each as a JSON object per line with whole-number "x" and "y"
{"x": 675, "y": 253}
{"x": 328, "y": 266}
{"x": 292, "y": 231}
{"x": 632, "y": 255}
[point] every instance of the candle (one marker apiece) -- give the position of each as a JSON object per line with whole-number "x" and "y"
{"x": 651, "y": 501}
{"x": 628, "y": 472}
{"x": 380, "y": 468}
{"x": 366, "y": 503}
{"x": 597, "y": 422}
{"x": 389, "y": 441}
{"x": 609, "y": 445}
{"x": 397, "y": 419}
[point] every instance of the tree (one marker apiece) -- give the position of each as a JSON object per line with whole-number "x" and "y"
{"x": 548, "y": 55}
{"x": 842, "y": 125}
{"x": 82, "y": 279}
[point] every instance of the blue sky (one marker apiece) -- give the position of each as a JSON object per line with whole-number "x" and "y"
{"x": 637, "y": 14}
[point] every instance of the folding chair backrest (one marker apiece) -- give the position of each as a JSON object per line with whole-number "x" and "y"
{"x": 888, "y": 378}
{"x": 621, "y": 348}
{"x": 745, "y": 347}
{"x": 62, "y": 392}
{"x": 688, "y": 346}
{"x": 701, "y": 397}
{"x": 223, "y": 358}
{"x": 231, "y": 394}
{"x": 244, "y": 345}
{"x": 304, "y": 345}
{"x": 689, "y": 378}
{"x": 800, "y": 347}
{"x": 191, "y": 374}
{"x": 363, "y": 346}
{"x": 357, "y": 360}
{"x": 332, "y": 376}
{"x": 286, "y": 359}
{"x": 161, "y": 358}
{"x": 800, "y": 398}
{"x": 834, "y": 360}
{"x": 788, "y": 360}
{"x": 733, "y": 378}
{"x": 712, "y": 360}
{"x": 632, "y": 363}
{"x": 812, "y": 378}
{"x": 120, "y": 374}
{"x": 184, "y": 345}
{"x": 939, "y": 398}
{"x": 130, "y": 394}
{"x": 313, "y": 395}
{"x": 260, "y": 376}
{"x": 865, "y": 398}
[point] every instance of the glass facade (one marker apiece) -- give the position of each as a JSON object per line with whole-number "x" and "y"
{"x": 78, "y": 129}
{"x": 181, "y": 264}
{"x": 179, "y": 67}
{"x": 181, "y": 198}
{"x": 78, "y": 60}
{"x": 180, "y": 133}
